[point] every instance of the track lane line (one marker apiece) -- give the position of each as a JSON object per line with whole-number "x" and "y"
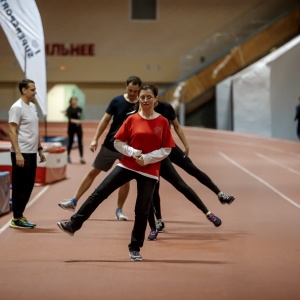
{"x": 277, "y": 163}
{"x": 259, "y": 179}
{"x": 243, "y": 143}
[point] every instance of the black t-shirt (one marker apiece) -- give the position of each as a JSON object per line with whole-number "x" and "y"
{"x": 74, "y": 113}
{"x": 118, "y": 109}
{"x": 166, "y": 110}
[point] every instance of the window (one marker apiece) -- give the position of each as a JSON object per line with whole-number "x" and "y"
{"x": 143, "y": 9}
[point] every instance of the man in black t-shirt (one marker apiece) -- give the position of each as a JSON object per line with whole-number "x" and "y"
{"x": 117, "y": 111}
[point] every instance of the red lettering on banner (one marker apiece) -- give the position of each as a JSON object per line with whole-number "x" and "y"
{"x": 47, "y": 50}
{"x": 63, "y": 50}
{"x": 56, "y": 49}
{"x": 91, "y": 50}
{"x": 75, "y": 50}
{"x": 52, "y": 49}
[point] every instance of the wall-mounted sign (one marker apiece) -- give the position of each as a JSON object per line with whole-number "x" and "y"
{"x": 57, "y": 49}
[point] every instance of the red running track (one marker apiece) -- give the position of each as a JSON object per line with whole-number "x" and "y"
{"x": 253, "y": 255}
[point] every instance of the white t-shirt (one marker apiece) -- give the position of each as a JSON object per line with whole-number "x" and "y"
{"x": 26, "y": 117}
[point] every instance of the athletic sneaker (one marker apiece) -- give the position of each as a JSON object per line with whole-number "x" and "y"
{"x": 66, "y": 227}
{"x": 30, "y": 223}
{"x": 160, "y": 225}
{"x": 135, "y": 255}
{"x": 120, "y": 216}
{"x": 225, "y": 199}
{"x": 152, "y": 235}
{"x": 214, "y": 219}
{"x": 20, "y": 223}
{"x": 68, "y": 205}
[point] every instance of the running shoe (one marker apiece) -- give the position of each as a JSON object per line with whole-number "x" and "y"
{"x": 30, "y": 223}
{"x": 214, "y": 219}
{"x": 152, "y": 235}
{"x": 135, "y": 255}
{"x": 68, "y": 205}
{"x": 20, "y": 223}
{"x": 160, "y": 225}
{"x": 66, "y": 226}
{"x": 225, "y": 199}
{"x": 120, "y": 216}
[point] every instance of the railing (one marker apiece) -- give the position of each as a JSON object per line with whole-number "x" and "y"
{"x": 260, "y": 17}
{"x": 203, "y": 67}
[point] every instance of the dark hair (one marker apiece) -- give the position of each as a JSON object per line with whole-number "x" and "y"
{"x": 73, "y": 97}
{"x": 150, "y": 86}
{"x": 134, "y": 80}
{"x": 25, "y": 84}
{"x": 147, "y": 86}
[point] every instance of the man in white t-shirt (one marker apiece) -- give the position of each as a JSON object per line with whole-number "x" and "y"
{"x": 25, "y": 143}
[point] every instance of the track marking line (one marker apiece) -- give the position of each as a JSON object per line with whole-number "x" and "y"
{"x": 259, "y": 179}
{"x": 28, "y": 205}
{"x": 243, "y": 143}
{"x": 277, "y": 163}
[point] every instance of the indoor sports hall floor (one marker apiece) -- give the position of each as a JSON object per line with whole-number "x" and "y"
{"x": 255, "y": 254}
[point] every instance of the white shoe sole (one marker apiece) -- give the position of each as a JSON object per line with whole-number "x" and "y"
{"x": 135, "y": 259}
{"x": 122, "y": 218}
{"x": 19, "y": 227}
{"x": 66, "y": 208}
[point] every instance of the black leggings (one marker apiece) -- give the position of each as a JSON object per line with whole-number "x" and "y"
{"x": 72, "y": 130}
{"x": 179, "y": 158}
{"x": 22, "y": 182}
{"x": 169, "y": 173}
{"x": 116, "y": 178}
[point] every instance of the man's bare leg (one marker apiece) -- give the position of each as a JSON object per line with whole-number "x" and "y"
{"x": 86, "y": 183}
{"x": 84, "y": 186}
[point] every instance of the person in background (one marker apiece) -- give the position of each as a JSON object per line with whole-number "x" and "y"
{"x": 144, "y": 139}
{"x": 297, "y": 118}
{"x": 182, "y": 160}
{"x": 74, "y": 115}
{"x": 116, "y": 111}
{"x": 23, "y": 129}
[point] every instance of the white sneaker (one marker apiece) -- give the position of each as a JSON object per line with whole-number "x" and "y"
{"x": 120, "y": 216}
{"x": 68, "y": 205}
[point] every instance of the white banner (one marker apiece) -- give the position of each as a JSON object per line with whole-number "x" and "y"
{"x": 22, "y": 24}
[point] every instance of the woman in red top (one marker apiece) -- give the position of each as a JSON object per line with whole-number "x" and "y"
{"x": 144, "y": 139}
